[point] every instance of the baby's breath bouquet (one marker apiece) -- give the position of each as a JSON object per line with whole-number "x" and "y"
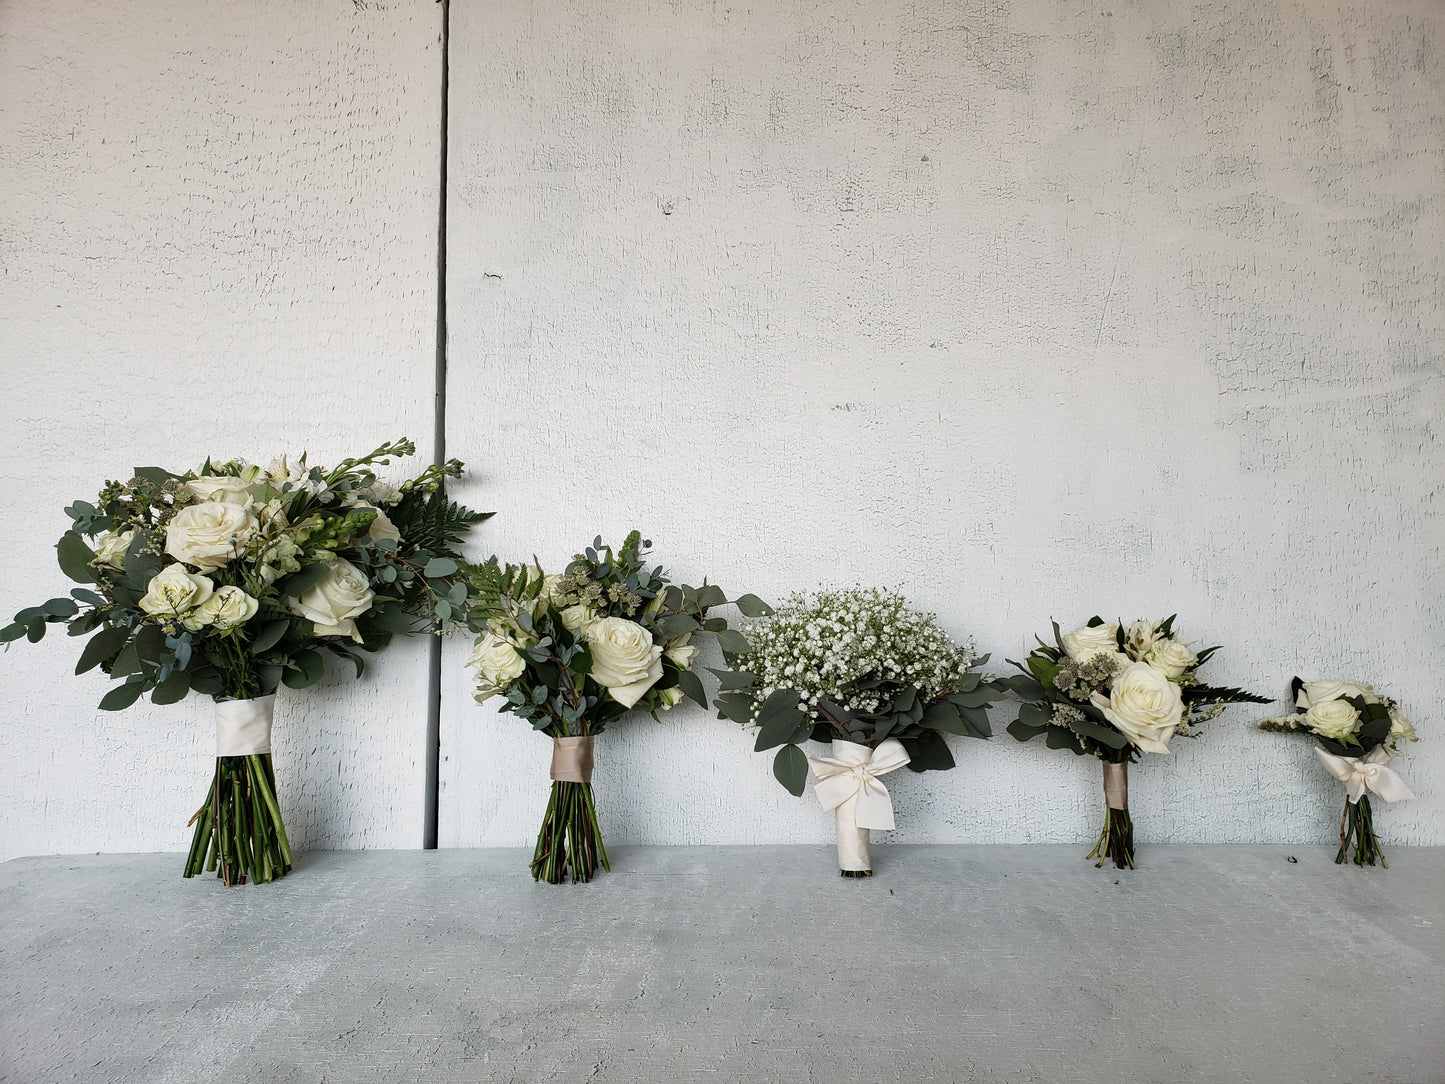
{"x": 1358, "y": 732}
{"x": 1113, "y": 691}
{"x": 572, "y": 652}
{"x": 862, "y": 671}
{"x": 234, "y": 579}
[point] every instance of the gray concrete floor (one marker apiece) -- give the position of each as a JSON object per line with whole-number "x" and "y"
{"x": 729, "y": 964}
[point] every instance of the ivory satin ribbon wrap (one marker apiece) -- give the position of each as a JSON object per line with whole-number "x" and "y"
{"x": 243, "y": 727}
{"x": 847, "y": 783}
{"x": 1116, "y": 785}
{"x": 1366, "y": 772}
{"x": 572, "y": 760}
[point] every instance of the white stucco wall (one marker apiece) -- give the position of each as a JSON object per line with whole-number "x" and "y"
{"x": 218, "y": 235}
{"x": 1033, "y": 309}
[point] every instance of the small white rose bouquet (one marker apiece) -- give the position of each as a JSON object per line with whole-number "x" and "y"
{"x": 1358, "y": 733}
{"x": 571, "y": 653}
{"x": 1114, "y": 691}
{"x": 234, "y": 579}
{"x": 877, "y": 681}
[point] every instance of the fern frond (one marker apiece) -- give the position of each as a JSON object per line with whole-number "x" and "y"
{"x": 430, "y": 522}
{"x": 1222, "y": 694}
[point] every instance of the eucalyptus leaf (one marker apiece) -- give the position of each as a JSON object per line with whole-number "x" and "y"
{"x": 101, "y": 646}
{"x": 173, "y": 689}
{"x": 752, "y": 606}
{"x": 74, "y": 557}
{"x": 691, "y": 686}
{"x": 61, "y": 607}
{"x": 710, "y": 595}
{"x": 122, "y": 696}
{"x": 777, "y": 719}
{"x": 439, "y": 567}
{"x": 269, "y": 635}
{"x": 733, "y": 642}
{"x": 300, "y": 582}
{"x": 306, "y": 669}
{"x": 790, "y": 768}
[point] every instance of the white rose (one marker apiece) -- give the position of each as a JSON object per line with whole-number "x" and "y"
{"x": 227, "y": 608}
{"x": 210, "y": 534}
{"x": 1319, "y": 692}
{"x": 578, "y": 618}
{"x": 625, "y": 661}
{"x": 1332, "y": 718}
{"x": 381, "y": 527}
{"x": 497, "y": 663}
{"x": 110, "y": 548}
{"x": 1400, "y": 728}
{"x": 680, "y": 653}
{"x": 1085, "y": 643}
{"x": 1171, "y": 657}
{"x": 1144, "y": 706}
{"x": 175, "y": 592}
{"x": 220, "y": 487}
{"x": 333, "y": 604}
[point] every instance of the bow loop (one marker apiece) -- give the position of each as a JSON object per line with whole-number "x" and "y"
{"x": 1368, "y": 772}
{"x": 851, "y": 774}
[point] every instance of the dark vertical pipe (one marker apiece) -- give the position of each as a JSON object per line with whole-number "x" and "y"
{"x": 431, "y": 785}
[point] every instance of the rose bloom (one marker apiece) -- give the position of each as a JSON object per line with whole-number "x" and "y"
{"x": 1318, "y": 692}
{"x": 174, "y": 592}
{"x": 220, "y": 487}
{"x": 333, "y": 604}
{"x": 1332, "y": 718}
{"x": 227, "y": 608}
{"x": 1144, "y": 706}
{"x": 110, "y": 548}
{"x": 1400, "y": 728}
{"x": 578, "y": 618}
{"x": 1085, "y": 643}
{"x": 210, "y": 534}
{"x": 497, "y": 663}
{"x": 1171, "y": 657}
{"x": 625, "y": 661}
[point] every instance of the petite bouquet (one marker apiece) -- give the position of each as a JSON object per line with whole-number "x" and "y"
{"x": 572, "y": 652}
{"x": 1358, "y": 731}
{"x": 234, "y": 579}
{"x": 861, "y": 670}
{"x": 1114, "y": 691}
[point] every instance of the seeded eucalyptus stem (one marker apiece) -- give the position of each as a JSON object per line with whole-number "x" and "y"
{"x": 570, "y": 840}
{"x": 239, "y": 833}
{"x": 1357, "y": 824}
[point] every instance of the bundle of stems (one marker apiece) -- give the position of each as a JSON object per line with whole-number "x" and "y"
{"x": 570, "y": 841}
{"x": 1357, "y": 824}
{"x": 1116, "y": 841}
{"x": 239, "y": 833}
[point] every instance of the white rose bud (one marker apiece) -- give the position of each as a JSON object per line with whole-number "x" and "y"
{"x": 680, "y": 653}
{"x": 173, "y": 592}
{"x": 1319, "y": 692}
{"x": 1171, "y": 657}
{"x": 227, "y": 608}
{"x": 110, "y": 548}
{"x": 1400, "y": 728}
{"x": 497, "y": 663}
{"x": 578, "y": 618}
{"x": 1332, "y": 718}
{"x": 210, "y": 534}
{"x": 1143, "y": 705}
{"x": 220, "y": 487}
{"x": 1083, "y": 644}
{"x": 625, "y": 661}
{"x": 333, "y": 603}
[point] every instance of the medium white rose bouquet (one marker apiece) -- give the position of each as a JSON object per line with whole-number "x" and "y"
{"x": 877, "y": 681}
{"x": 234, "y": 579}
{"x": 1358, "y": 733}
{"x": 572, "y": 652}
{"x": 1114, "y": 691}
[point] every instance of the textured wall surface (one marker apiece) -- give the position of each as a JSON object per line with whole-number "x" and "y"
{"x": 219, "y": 237}
{"x": 1032, "y": 309}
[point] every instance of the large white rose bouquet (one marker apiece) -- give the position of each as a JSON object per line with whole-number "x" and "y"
{"x": 1358, "y": 732}
{"x": 234, "y": 579}
{"x": 572, "y": 652}
{"x": 1114, "y": 691}
{"x": 877, "y": 681}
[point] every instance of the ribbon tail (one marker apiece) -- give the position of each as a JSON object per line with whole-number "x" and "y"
{"x": 834, "y": 790}
{"x": 1388, "y": 785}
{"x": 875, "y": 806}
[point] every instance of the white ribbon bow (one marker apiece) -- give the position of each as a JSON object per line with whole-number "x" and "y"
{"x": 851, "y": 775}
{"x": 1357, "y": 773}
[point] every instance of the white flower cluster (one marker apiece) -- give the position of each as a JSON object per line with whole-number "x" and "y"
{"x": 820, "y": 647}
{"x": 1324, "y": 709}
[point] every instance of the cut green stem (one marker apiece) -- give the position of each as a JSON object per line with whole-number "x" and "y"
{"x": 1116, "y": 840}
{"x": 570, "y": 842}
{"x": 239, "y": 833}
{"x": 1357, "y": 826}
